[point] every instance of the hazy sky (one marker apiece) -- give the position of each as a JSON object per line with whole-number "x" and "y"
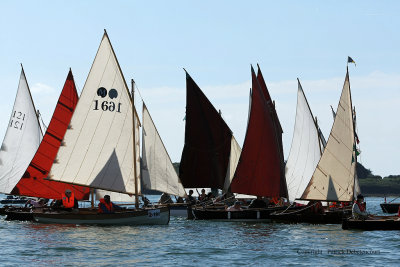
{"x": 216, "y": 41}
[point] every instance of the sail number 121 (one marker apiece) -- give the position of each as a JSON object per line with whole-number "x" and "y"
{"x": 107, "y": 105}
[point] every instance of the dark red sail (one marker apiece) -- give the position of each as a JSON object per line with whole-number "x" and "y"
{"x": 207, "y": 147}
{"x": 33, "y": 183}
{"x": 259, "y": 168}
{"x": 277, "y": 125}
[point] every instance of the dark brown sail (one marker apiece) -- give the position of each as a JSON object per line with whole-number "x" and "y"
{"x": 207, "y": 147}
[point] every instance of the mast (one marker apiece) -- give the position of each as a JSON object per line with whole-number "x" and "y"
{"x": 134, "y": 143}
{"x": 354, "y": 131}
{"x": 319, "y": 135}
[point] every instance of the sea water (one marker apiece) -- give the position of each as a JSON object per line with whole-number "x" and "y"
{"x": 197, "y": 243}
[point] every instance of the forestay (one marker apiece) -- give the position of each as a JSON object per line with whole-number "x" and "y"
{"x": 158, "y": 173}
{"x": 333, "y": 178}
{"x": 98, "y": 146}
{"x": 21, "y": 140}
{"x": 306, "y": 148}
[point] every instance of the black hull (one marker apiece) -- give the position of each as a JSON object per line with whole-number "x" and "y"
{"x": 377, "y": 223}
{"x": 13, "y": 201}
{"x": 390, "y": 207}
{"x": 223, "y": 215}
{"x": 19, "y": 216}
{"x": 330, "y": 217}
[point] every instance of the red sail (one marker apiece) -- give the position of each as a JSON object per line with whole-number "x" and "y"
{"x": 278, "y": 128}
{"x": 207, "y": 147}
{"x": 259, "y": 168}
{"x": 33, "y": 183}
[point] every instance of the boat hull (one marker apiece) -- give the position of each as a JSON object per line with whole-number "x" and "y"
{"x": 373, "y": 224}
{"x": 390, "y": 207}
{"x": 158, "y": 216}
{"x": 330, "y": 217}
{"x": 250, "y": 215}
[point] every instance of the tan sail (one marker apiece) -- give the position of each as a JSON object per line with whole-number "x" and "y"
{"x": 333, "y": 178}
{"x": 97, "y": 147}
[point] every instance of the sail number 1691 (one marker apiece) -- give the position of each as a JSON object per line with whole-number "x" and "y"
{"x": 107, "y": 105}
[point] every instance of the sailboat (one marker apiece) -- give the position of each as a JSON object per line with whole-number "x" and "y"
{"x": 21, "y": 140}
{"x": 34, "y": 183}
{"x": 260, "y": 171}
{"x": 334, "y": 178}
{"x": 101, "y": 148}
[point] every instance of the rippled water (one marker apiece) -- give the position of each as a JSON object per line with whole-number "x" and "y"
{"x": 190, "y": 243}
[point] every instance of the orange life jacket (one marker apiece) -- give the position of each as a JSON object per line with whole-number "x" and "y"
{"x": 333, "y": 205}
{"x": 361, "y": 206}
{"x": 109, "y": 206}
{"x": 68, "y": 202}
{"x": 275, "y": 200}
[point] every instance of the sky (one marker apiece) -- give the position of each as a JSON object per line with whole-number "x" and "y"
{"x": 216, "y": 41}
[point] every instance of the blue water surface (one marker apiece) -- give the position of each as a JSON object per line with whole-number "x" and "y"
{"x": 197, "y": 243}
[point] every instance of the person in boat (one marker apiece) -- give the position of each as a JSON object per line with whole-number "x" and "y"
{"x": 179, "y": 200}
{"x": 257, "y": 203}
{"x": 316, "y": 207}
{"x": 165, "y": 199}
{"x": 106, "y": 206}
{"x": 190, "y": 199}
{"x": 203, "y": 195}
{"x": 69, "y": 202}
{"x": 235, "y": 207}
{"x": 359, "y": 208}
{"x": 146, "y": 201}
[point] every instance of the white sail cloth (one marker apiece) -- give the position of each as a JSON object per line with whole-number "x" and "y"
{"x": 98, "y": 146}
{"x": 114, "y": 196}
{"x": 233, "y": 162}
{"x": 305, "y": 151}
{"x": 334, "y": 176}
{"x": 158, "y": 173}
{"x": 22, "y": 138}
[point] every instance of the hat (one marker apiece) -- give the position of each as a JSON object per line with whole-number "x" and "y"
{"x": 238, "y": 203}
{"x": 68, "y": 191}
{"x": 360, "y": 196}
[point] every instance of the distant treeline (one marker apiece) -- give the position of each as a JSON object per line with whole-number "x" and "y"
{"x": 371, "y": 185}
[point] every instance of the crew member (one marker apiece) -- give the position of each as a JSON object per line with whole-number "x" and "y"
{"x": 359, "y": 210}
{"x": 68, "y": 200}
{"x": 258, "y": 203}
{"x": 106, "y": 206}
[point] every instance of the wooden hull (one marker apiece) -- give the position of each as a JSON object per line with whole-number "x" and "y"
{"x": 330, "y": 217}
{"x": 19, "y": 214}
{"x": 375, "y": 223}
{"x": 251, "y": 215}
{"x": 176, "y": 209}
{"x": 390, "y": 207}
{"x": 158, "y": 216}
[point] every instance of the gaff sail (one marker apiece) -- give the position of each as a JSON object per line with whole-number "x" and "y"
{"x": 259, "y": 169}
{"x": 334, "y": 176}
{"x": 98, "y": 146}
{"x": 209, "y": 144}
{"x": 33, "y": 183}
{"x": 21, "y": 140}
{"x": 158, "y": 173}
{"x": 306, "y": 148}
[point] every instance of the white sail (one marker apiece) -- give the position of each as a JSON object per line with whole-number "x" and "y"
{"x": 114, "y": 196}
{"x": 334, "y": 176}
{"x": 97, "y": 148}
{"x": 158, "y": 173}
{"x": 233, "y": 161}
{"x": 22, "y": 138}
{"x": 306, "y": 148}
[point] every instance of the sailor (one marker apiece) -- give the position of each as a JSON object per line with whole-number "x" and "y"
{"x": 359, "y": 210}
{"x": 165, "y": 199}
{"x": 106, "y": 206}
{"x": 68, "y": 200}
{"x": 190, "y": 199}
{"x": 203, "y": 195}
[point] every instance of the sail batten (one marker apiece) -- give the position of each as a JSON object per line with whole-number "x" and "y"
{"x": 21, "y": 140}
{"x": 34, "y": 183}
{"x": 98, "y": 146}
{"x": 259, "y": 171}
{"x": 158, "y": 173}
{"x": 334, "y": 177}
